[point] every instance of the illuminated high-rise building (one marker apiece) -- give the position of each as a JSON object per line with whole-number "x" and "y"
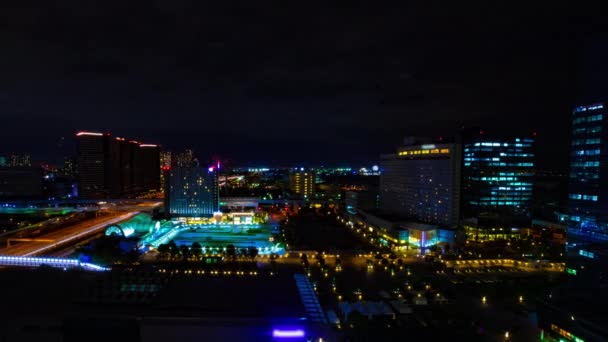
{"x": 422, "y": 182}
{"x": 191, "y": 192}
{"x": 165, "y": 165}
{"x": 110, "y": 167}
{"x": 498, "y": 175}
{"x": 184, "y": 159}
{"x": 302, "y": 183}
{"x": 92, "y": 161}
{"x": 588, "y": 185}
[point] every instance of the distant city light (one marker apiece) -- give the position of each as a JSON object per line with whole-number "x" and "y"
{"x": 148, "y": 145}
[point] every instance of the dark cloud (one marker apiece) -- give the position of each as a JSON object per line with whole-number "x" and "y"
{"x": 284, "y": 82}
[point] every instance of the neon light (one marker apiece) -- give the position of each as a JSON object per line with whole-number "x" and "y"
{"x": 54, "y": 262}
{"x": 288, "y": 333}
{"x": 88, "y": 133}
{"x": 148, "y": 145}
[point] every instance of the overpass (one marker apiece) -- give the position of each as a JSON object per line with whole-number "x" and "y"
{"x": 70, "y": 202}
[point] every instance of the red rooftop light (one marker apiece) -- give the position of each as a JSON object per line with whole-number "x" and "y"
{"x": 79, "y": 134}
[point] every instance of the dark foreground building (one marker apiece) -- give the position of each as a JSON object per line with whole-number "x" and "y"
{"x": 57, "y": 305}
{"x": 20, "y": 182}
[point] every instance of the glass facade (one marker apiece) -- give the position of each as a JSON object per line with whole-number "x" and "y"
{"x": 192, "y": 192}
{"x": 498, "y": 176}
{"x": 586, "y": 205}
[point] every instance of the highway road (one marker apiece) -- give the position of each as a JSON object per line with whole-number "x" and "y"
{"x": 64, "y": 236}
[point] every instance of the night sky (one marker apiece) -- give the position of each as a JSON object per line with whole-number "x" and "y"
{"x": 293, "y": 82}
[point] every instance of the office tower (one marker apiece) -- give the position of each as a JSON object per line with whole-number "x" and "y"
{"x": 165, "y": 165}
{"x": 498, "y": 175}
{"x": 150, "y": 166}
{"x": 115, "y": 167}
{"x": 422, "y": 182}
{"x": 191, "y": 192}
{"x": 69, "y": 168}
{"x": 92, "y": 173}
{"x": 588, "y": 189}
{"x": 574, "y": 312}
{"x": 184, "y": 159}
{"x": 15, "y": 160}
{"x": 302, "y": 183}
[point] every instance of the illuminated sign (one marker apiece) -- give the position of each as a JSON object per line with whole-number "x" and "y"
{"x": 425, "y": 152}
{"x": 288, "y": 333}
{"x": 571, "y": 271}
{"x": 428, "y": 147}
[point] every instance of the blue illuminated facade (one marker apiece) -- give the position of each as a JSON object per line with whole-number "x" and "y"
{"x": 497, "y": 176}
{"x": 192, "y": 192}
{"x": 587, "y": 202}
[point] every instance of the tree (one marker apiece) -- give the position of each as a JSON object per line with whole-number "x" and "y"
{"x": 399, "y": 262}
{"x": 243, "y": 252}
{"x": 252, "y": 252}
{"x": 392, "y": 256}
{"x": 163, "y": 250}
{"x": 197, "y": 249}
{"x": 384, "y": 262}
{"x": 231, "y": 251}
{"x": 173, "y": 249}
{"x": 185, "y": 252}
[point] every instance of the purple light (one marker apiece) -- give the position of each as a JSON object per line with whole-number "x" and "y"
{"x": 288, "y": 333}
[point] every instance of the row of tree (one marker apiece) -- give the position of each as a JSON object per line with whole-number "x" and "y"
{"x": 171, "y": 251}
